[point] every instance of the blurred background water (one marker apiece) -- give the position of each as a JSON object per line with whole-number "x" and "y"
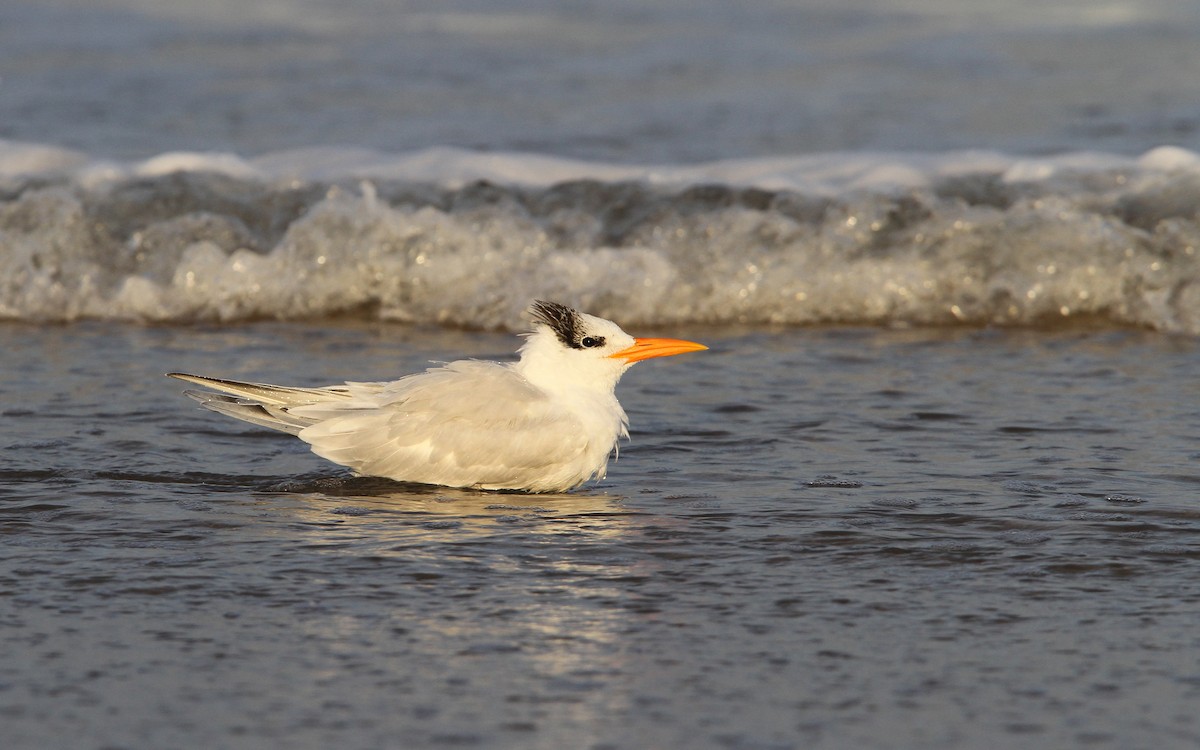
{"x": 664, "y": 81}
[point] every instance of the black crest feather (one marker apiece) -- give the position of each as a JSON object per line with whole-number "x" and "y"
{"x": 561, "y": 319}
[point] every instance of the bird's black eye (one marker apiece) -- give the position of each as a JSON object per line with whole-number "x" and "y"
{"x": 591, "y": 341}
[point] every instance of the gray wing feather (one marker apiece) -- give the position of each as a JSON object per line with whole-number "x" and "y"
{"x": 262, "y": 415}
{"x": 265, "y": 393}
{"x": 259, "y": 403}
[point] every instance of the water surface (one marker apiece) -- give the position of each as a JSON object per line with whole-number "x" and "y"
{"x": 957, "y": 538}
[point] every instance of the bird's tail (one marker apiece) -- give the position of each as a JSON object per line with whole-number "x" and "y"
{"x": 260, "y": 403}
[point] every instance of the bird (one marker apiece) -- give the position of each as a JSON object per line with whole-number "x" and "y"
{"x": 547, "y": 422}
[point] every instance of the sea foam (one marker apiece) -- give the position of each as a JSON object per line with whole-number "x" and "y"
{"x": 465, "y": 238}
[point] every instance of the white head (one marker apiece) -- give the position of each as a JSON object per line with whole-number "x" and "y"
{"x": 570, "y": 349}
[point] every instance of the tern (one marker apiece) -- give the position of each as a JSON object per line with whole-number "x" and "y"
{"x": 545, "y": 423}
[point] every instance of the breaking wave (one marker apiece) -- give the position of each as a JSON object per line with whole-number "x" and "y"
{"x": 469, "y": 239}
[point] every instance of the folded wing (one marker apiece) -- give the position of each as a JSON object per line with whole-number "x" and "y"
{"x": 470, "y": 424}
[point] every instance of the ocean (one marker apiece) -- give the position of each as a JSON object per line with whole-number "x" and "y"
{"x": 932, "y": 486}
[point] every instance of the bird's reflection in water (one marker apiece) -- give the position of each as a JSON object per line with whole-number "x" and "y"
{"x": 377, "y": 512}
{"x": 475, "y": 583}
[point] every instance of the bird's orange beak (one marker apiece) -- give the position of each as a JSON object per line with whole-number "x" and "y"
{"x": 649, "y": 348}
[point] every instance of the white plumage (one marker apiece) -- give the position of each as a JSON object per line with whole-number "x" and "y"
{"x": 546, "y": 423}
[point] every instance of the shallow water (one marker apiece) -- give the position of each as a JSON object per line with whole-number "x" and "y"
{"x": 864, "y": 538}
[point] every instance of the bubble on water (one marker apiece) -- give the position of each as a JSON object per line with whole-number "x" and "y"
{"x": 1123, "y": 499}
{"x": 896, "y": 502}
{"x": 1071, "y": 501}
{"x": 829, "y": 481}
{"x": 445, "y": 524}
{"x": 1023, "y": 487}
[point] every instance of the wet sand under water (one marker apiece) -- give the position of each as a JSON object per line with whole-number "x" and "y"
{"x": 817, "y": 538}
